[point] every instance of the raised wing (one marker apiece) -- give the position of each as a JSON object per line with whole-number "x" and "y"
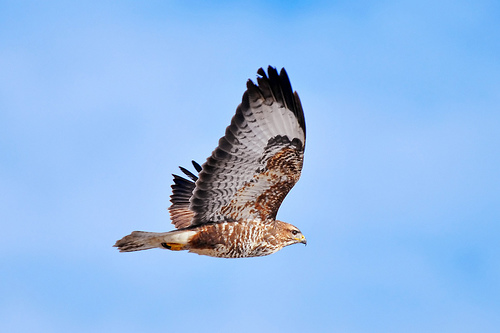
{"x": 257, "y": 162}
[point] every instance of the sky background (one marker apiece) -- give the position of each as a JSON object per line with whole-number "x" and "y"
{"x": 400, "y": 192}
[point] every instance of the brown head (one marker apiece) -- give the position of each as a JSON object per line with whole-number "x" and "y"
{"x": 289, "y": 234}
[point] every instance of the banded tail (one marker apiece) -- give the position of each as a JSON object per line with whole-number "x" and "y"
{"x": 141, "y": 240}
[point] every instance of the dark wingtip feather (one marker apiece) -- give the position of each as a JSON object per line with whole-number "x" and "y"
{"x": 196, "y": 166}
{"x": 189, "y": 173}
{"x": 262, "y": 72}
{"x": 300, "y": 111}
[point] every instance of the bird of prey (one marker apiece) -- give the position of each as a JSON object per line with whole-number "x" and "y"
{"x": 229, "y": 209}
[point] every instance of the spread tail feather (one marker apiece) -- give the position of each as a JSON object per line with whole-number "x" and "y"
{"x": 142, "y": 240}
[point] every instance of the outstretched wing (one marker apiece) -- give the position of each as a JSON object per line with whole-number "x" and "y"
{"x": 257, "y": 162}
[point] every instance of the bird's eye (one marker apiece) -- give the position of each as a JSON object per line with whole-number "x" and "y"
{"x": 294, "y": 232}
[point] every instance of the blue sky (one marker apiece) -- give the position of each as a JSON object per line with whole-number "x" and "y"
{"x": 399, "y": 196}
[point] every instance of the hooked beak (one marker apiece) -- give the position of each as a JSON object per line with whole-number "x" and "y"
{"x": 302, "y": 240}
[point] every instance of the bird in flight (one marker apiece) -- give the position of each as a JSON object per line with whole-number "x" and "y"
{"x": 228, "y": 210}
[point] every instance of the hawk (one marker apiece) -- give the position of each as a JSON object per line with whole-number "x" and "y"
{"x": 229, "y": 209}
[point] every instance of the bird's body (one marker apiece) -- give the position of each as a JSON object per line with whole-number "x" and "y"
{"x": 223, "y": 240}
{"x": 229, "y": 209}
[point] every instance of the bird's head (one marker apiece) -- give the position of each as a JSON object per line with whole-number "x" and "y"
{"x": 290, "y": 234}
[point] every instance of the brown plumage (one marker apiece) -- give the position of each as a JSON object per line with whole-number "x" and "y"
{"x": 229, "y": 209}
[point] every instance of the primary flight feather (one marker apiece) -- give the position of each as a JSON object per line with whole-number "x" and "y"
{"x": 229, "y": 209}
